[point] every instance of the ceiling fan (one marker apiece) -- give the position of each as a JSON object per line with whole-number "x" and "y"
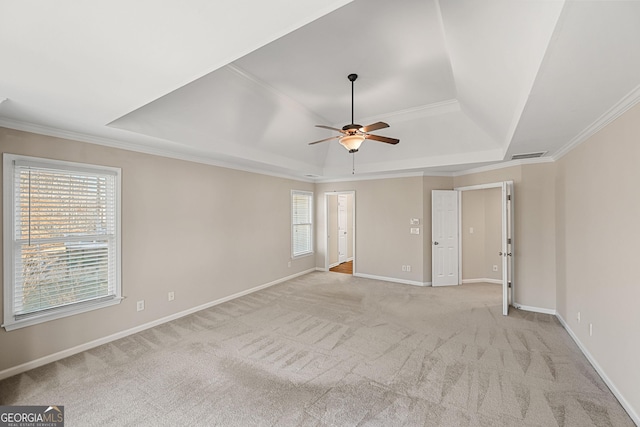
{"x": 353, "y": 135}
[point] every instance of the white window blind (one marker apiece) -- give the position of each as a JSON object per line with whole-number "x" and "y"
{"x": 302, "y": 224}
{"x": 64, "y": 246}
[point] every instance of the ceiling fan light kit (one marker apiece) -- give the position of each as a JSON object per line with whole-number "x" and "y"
{"x": 353, "y": 135}
{"x": 352, "y": 142}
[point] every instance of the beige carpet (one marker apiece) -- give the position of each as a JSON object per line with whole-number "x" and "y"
{"x": 330, "y": 349}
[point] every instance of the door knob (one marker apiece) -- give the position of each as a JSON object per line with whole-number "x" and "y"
{"x": 436, "y": 243}
{"x": 500, "y": 253}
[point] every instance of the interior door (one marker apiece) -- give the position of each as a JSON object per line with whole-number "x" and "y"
{"x": 444, "y": 236}
{"x": 507, "y": 247}
{"x": 342, "y": 228}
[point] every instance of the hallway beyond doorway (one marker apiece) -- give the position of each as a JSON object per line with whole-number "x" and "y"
{"x": 345, "y": 267}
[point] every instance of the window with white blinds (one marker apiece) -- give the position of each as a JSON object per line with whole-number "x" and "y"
{"x": 61, "y": 239}
{"x": 301, "y": 223}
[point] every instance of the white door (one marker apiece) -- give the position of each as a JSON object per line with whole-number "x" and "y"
{"x": 342, "y": 228}
{"x": 507, "y": 246}
{"x": 444, "y": 236}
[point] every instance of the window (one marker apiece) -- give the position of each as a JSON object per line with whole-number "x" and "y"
{"x": 61, "y": 239}
{"x": 301, "y": 223}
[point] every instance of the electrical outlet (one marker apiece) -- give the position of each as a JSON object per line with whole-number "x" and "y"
{"x": 590, "y": 329}
{"x": 404, "y": 268}
{"x": 140, "y": 305}
{"x": 408, "y": 268}
{"x": 470, "y": 230}
{"x": 495, "y": 267}
{"x": 171, "y": 296}
{"x": 289, "y": 264}
{"x": 578, "y": 317}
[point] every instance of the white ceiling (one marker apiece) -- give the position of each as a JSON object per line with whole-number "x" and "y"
{"x": 242, "y": 83}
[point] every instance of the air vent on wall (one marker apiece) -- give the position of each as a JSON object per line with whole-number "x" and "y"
{"x": 528, "y": 155}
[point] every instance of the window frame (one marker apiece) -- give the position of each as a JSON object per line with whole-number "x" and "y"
{"x": 9, "y": 253}
{"x": 311, "y": 251}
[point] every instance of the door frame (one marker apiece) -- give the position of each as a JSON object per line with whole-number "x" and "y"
{"x": 343, "y": 217}
{"x": 507, "y": 226}
{"x": 326, "y": 225}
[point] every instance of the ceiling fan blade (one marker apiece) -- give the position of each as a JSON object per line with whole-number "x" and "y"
{"x": 330, "y": 128}
{"x": 383, "y": 139}
{"x": 323, "y": 140}
{"x": 374, "y": 126}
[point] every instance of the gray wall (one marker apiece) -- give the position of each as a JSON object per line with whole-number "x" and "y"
{"x": 598, "y": 249}
{"x": 201, "y": 231}
{"x": 481, "y": 210}
{"x": 238, "y": 237}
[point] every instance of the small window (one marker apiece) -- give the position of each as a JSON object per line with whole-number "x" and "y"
{"x": 61, "y": 239}
{"x": 301, "y": 223}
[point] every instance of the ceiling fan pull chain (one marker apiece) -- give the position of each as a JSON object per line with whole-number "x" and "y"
{"x": 353, "y": 163}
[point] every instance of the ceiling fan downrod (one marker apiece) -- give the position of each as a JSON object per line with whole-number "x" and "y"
{"x": 352, "y": 78}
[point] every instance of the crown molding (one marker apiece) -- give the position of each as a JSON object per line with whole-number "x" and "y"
{"x": 621, "y": 107}
{"x": 504, "y": 165}
{"x": 369, "y": 177}
{"x": 129, "y": 146}
{"x": 427, "y": 110}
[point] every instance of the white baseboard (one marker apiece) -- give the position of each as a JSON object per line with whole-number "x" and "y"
{"x": 392, "y": 279}
{"x": 627, "y": 407}
{"x": 335, "y": 264}
{"x": 9, "y": 372}
{"x": 534, "y": 309}
{"x": 496, "y": 281}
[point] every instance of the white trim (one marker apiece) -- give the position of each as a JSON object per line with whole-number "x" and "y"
{"x": 413, "y": 113}
{"x": 10, "y": 162}
{"x": 625, "y": 404}
{"x": 503, "y": 165}
{"x": 365, "y": 177}
{"x": 310, "y": 196}
{"x": 9, "y": 372}
{"x": 494, "y": 281}
{"x": 335, "y": 264}
{"x": 326, "y": 227}
{"x": 480, "y": 186}
{"x": 392, "y": 279}
{"x": 138, "y": 148}
{"x": 535, "y": 309}
{"x": 621, "y": 107}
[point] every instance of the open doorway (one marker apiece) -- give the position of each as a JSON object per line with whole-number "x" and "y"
{"x": 480, "y": 236}
{"x": 340, "y": 215}
{"x": 505, "y": 253}
{"x": 447, "y": 233}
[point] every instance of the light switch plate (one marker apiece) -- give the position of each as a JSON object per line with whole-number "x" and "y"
{"x": 415, "y": 230}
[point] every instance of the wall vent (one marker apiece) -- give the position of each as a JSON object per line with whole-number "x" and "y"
{"x": 528, "y": 155}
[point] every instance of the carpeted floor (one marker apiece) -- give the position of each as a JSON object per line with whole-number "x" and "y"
{"x": 331, "y": 349}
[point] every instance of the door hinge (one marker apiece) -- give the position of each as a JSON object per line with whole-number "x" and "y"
{"x": 509, "y": 284}
{"x": 509, "y": 240}
{"x": 509, "y": 197}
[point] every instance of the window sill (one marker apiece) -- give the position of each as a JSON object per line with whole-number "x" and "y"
{"x": 304, "y": 255}
{"x": 59, "y": 313}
